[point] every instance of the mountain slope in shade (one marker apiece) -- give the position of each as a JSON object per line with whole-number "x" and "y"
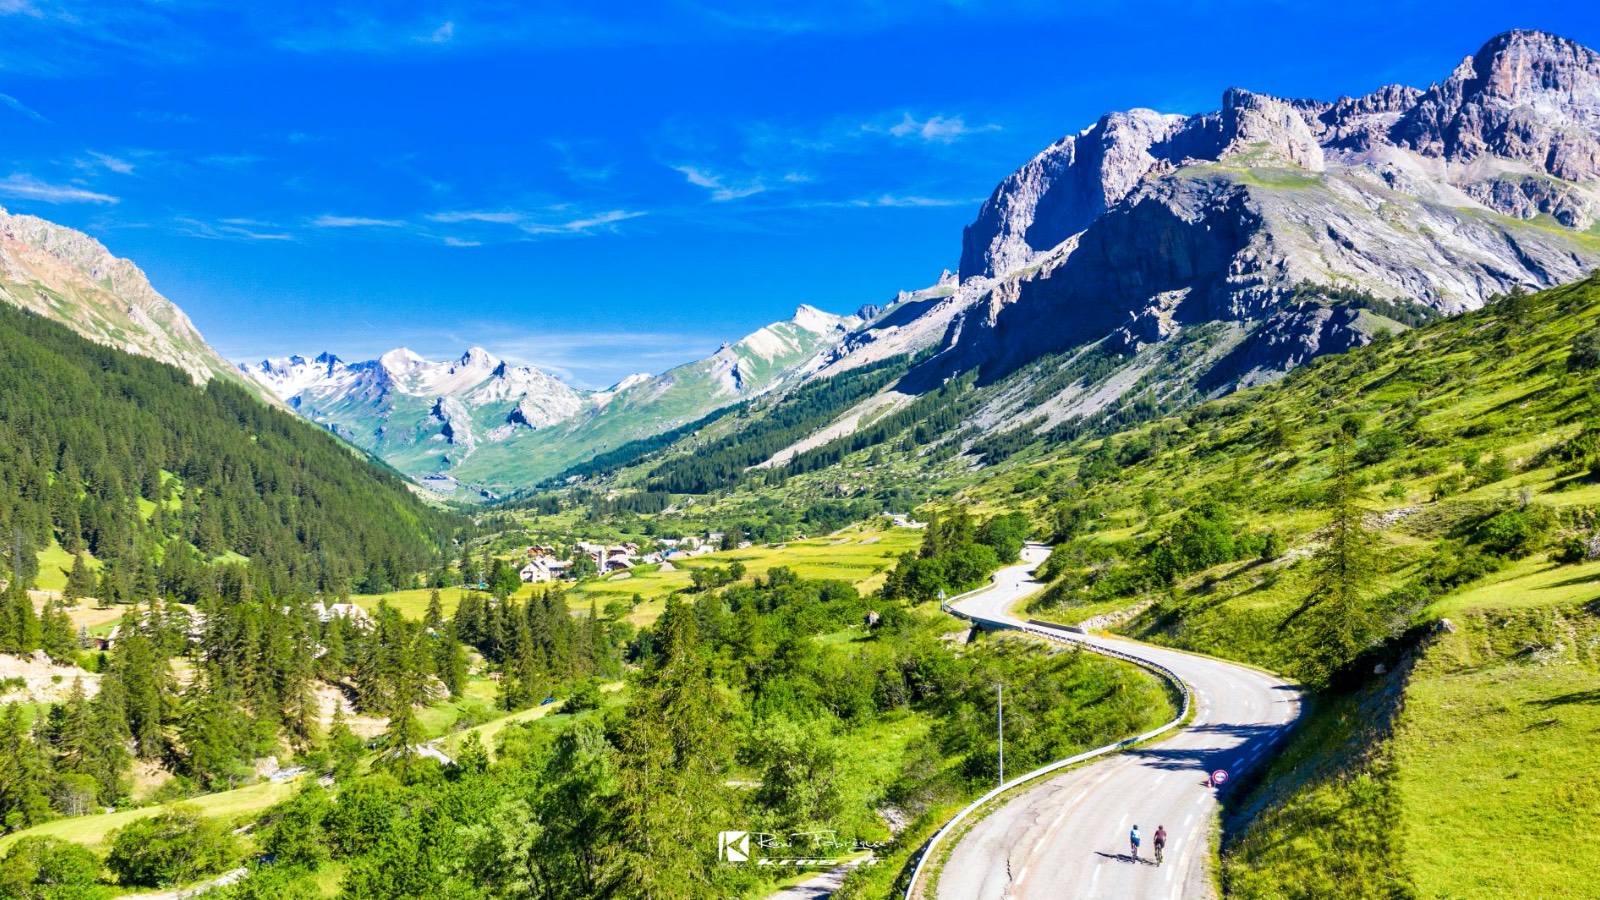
{"x": 72, "y": 278}
{"x": 483, "y": 423}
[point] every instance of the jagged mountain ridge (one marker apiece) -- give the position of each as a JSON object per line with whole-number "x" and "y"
{"x": 1145, "y": 222}
{"x": 1156, "y": 259}
{"x": 492, "y": 426}
{"x": 69, "y": 277}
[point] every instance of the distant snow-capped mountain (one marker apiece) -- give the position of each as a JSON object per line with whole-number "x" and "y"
{"x": 429, "y": 418}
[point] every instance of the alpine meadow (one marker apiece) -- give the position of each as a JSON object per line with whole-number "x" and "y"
{"x": 1206, "y": 507}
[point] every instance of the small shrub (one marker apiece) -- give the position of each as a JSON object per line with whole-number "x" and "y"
{"x": 1379, "y": 447}
{"x": 1274, "y": 546}
{"x": 585, "y": 697}
{"x": 1571, "y": 551}
{"x": 1585, "y": 353}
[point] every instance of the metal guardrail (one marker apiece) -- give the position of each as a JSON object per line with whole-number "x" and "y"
{"x": 1049, "y": 633}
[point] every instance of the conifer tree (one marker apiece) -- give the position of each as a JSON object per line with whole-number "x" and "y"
{"x": 450, "y": 662}
{"x": 671, "y": 752}
{"x": 55, "y": 632}
{"x": 80, "y": 581}
{"x": 24, "y": 773}
{"x": 215, "y": 737}
{"x": 146, "y": 686}
{"x": 433, "y": 619}
{"x": 344, "y": 746}
{"x": 19, "y": 626}
{"x": 1338, "y": 620}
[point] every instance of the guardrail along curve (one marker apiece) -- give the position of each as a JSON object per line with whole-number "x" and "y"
{"x": 932, "y": 844}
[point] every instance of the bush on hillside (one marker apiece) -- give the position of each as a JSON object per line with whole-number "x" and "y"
{"x": 1585, "y": 353}
{"x": 1380, "y": 446}
{"x": 1513, "y": 533}
{"x": 1571, "y": 551}
{"x": 175, "y": 847}
{"x": 1204, "y": 536}
{"x": 294, "y": 833}
{"x": 47, "y": 868}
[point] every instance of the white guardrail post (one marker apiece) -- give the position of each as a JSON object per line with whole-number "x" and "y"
{"x": 944, "y": 831}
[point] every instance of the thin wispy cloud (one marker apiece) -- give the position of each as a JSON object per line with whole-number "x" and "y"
{"x": 574, "y": 168}
{"x": 577, "y": 226}
{"x": 19, "y": 106}
{"x": 938, "y": 129}
{"x": 231, "y": 160}
{"x": 722, "y": 190}
{"x": 111, "y": 163}
{"x": 326, "y": 221}
{"x": 443, "y": 34}
{"x": 27, "y": 187}
{"x": 164, "y": 117}
{"x": 233, "y": 229}
{"x": 552, "y": 220}
{"x": 499, "y": 217}
{"x": 913, "y": 201}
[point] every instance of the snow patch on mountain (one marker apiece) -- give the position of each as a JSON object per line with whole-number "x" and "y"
{"x": 287, "y": 376}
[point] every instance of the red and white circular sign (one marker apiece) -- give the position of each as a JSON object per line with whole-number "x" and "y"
{"x": 1219, "y": 777}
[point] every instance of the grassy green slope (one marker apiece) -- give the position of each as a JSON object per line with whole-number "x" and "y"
{"x": 1496, "y": 759}
{"x": 1462, "y": 769}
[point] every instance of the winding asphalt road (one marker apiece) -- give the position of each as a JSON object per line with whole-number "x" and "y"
{"x": 1067, "y": 836}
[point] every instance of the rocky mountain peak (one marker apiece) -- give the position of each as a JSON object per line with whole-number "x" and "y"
{"x": 1143, "y": 226}
{"x": 1519, "y": 65}
{"x": 1253, "y": 124}
{"x": 477, "y": 357}
{"x": 401, "y": 359}
{"x": 69, "y": 276}
{"x": 1526, "y": 96}
{"x": 1524, "y": 106}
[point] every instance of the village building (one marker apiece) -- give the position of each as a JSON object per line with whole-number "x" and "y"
{"x": 348, "y": 611}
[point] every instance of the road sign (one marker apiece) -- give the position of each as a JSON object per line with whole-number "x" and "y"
{"x": 1219, "y": 777}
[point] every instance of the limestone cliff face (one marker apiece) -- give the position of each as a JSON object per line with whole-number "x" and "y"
{"x": 1526, "y": 96}
{"x": 1145, "y": 224}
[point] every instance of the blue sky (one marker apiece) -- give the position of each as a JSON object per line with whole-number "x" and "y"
{"x": 601, "y": 188}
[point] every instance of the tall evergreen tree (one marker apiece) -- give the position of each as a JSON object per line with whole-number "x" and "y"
{"x": 671, "y": 753}
{"x": 1338, "y": 618}
{"x": 80, "y": 581}
{"x": 25, "y": 773}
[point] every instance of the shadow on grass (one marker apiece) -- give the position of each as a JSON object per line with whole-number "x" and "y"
{"x": 1570, "y": 582}
{"x": 1568, "y": 699}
